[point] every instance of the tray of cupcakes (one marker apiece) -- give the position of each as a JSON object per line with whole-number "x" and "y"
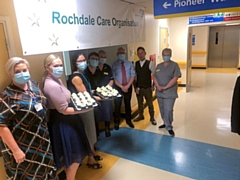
{"x": 107, "y": 92}
{"x": 83, "y": 101}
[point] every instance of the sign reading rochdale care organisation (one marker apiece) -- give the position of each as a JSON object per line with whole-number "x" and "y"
{"x": 174, "y": 8}
{"x": 54, "y": 26}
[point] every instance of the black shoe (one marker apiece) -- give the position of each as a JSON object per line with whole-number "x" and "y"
{"x": 162, "y": 126}
{"x": 130, "y": 124}
{"x": 116, "y": 126}
{"x": 139, "y": 118}
{"x": 94, "y": 165}
{"x": 171, "y": 132}
{"x": 153, "y": 121}
{"x": 97, "y": 158}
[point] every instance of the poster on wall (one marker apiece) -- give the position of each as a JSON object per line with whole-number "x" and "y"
{"x": 54, "y": 26}
{"x": 152, "y": 58}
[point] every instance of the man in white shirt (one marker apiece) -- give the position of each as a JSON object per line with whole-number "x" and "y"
{"x": 143, "y": 85}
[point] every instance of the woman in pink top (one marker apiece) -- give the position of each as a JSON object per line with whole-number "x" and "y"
{"x": 69, "y": 140}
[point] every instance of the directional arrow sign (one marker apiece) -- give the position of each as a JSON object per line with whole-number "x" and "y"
{"x": 175, "y": 8}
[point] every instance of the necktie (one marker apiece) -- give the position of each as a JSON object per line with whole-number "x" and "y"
{"x": 124, "y": 76}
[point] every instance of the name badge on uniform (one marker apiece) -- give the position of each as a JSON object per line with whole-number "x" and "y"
{"x": 38, "y": 107}
{"x": 157, "y": 70}
{"x": 105, "y": 73}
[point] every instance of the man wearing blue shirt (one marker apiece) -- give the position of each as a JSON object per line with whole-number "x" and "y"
{"x": 124, "y": 75}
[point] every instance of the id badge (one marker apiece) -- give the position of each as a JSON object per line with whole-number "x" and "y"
{"x": 38, "y": 107}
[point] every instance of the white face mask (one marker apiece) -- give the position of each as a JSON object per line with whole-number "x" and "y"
{"x": 22, "y": 78}
{"x": 122, "y": 57}
{"x": 102, "y": 60}
{"x": 166, "y": 58}
{"x": 57, "y": 72}
{"x": 82, "y": 65}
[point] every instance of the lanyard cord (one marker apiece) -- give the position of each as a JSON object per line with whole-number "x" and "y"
{"x": 89, "y": 85}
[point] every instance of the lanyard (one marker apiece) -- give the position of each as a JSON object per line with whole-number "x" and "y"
{"x": 89, "y": 85}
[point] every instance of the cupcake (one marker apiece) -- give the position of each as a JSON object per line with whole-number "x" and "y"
{"x": 89, "y": 102}
{"x": 82, "y": 105}
{"x": 98, "y": 89}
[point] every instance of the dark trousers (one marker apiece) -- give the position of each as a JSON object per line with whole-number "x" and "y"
{"x": 147, "y": 94}
{"x": 118, "y": 103}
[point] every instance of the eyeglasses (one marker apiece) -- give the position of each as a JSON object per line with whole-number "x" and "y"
{"x": 78, "y": 61}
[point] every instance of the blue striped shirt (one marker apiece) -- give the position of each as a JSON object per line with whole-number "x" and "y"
{"x": 117, "y": 70}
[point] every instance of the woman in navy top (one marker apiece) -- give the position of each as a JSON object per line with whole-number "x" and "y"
{"x": 100, "y": 74}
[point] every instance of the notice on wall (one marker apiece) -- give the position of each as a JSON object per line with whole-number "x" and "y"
{"x": 54, "y": 26}
{"x": 217, "y": 17}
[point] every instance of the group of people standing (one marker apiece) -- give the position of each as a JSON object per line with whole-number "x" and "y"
{"x": 35, "y": 144}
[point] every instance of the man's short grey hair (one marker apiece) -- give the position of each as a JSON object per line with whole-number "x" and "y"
{"x": 101, "y": 52}
{"x": 121, "y": 48}
{"x": 12, "y": 62}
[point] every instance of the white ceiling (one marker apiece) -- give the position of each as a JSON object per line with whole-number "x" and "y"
{"x": 145, "y": 3}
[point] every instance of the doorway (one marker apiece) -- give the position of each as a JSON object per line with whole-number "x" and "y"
{"x": 223, "y": 49}
{"x": 4, "y": 56}
{"x": 164, "y": 34}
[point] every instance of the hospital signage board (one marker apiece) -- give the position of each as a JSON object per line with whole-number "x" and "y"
{"x": 217, "y": 17}
{"x": 54, "y": 26}
{"x": 176, "y": 8}
{"x": 205, "y": 19}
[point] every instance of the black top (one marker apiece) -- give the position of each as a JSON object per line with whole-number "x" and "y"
{"x": 235, "y": 110}
{"x": 71, "y": 86}
{"x": 99, "y": 78}
{"x": 106, "y": 75}
{"x": 143, "y": 75}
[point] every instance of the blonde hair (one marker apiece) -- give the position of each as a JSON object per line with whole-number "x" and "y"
{"x": 12, "y": 62}
{"x": 47, "y": 62}
{"x": 167, "y": 50}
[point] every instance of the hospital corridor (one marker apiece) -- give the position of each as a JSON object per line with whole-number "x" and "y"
{"x": 203, "y": 148}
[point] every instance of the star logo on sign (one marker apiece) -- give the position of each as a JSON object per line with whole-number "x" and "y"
{"x": 34, "y": 20}
{"x": 54, "y": 40}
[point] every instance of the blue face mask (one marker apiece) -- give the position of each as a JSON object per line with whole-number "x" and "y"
{"x": 102, "y": 60}
{"x": 82, "y": 65}
{"x": 122, "y": 57}
{"x": 166, "y": 58}
{"x": 93, "y": 62}
{"x": 21, "y": 78}
{"x": 57, "y": 72}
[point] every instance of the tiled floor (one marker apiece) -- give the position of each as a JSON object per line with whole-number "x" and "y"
{"x": 201, "y": 116}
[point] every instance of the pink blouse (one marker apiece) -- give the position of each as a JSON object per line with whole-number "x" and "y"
{"x": 57, "y": 94}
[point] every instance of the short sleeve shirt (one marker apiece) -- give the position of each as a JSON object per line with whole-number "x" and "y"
{"x": 164, "y": 75}
{"x": 94, "y": 79}
{"x": 106, "y": 75}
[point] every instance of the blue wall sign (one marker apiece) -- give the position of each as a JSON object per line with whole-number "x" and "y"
{"x": 169, "y": 8}
{"x": 193, "y": 40}
{"x": 205, "y": 19}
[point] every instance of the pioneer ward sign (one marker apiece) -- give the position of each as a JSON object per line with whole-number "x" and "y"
{"x": 175, "y": 8}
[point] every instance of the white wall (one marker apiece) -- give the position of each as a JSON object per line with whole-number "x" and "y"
{"x": 151, "y": 44}
{"x": 201, "y": 45}
{"x": 178, "y": 38}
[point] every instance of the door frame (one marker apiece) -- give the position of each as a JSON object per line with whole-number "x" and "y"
{"x": 189, "y": 60}
{"x": 8, "y": 35}
{"x": 160, "y": 39}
